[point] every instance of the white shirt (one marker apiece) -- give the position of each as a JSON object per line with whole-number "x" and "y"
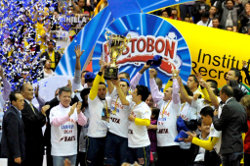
{"x": 216, "y": 133}
{"x": 137, "y": 134}
{"x": 188, "y": 112}
{"x": 201, "y": 154}
{"x": 206, "y": 24}
{"x": 46, "y": 75}
{"x": 97, "y": 126}
{"x": 118, "y": 123}
{"x": 166, "y": 125}
{"x": 64, "y": 137}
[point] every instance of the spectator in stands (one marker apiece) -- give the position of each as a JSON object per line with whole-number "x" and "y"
{"x": 164, "y": 14}
{"x": 47, "y": 71}
{"x": 205, "y": 20}
{"x": 199, "y": 8}
{"x": 186, "y": 10}
{"x": 244, "y": 19}
{"x": 188, "y": 19}
{"x": 81, "y": 7}
{"x": 216, "y": 22}
{"x": 174, "y": 14}
{"x": 229, "y": 15}
{"x": 213, "y": 12}
{"x": 51, "y": 54}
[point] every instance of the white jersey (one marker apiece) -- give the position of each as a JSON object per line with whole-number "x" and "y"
{"x": 216, "y": 133}
{"x": 64, "y": 137}
{"x": 187, "y": 112}
{"x": 137, "y": 134}
{"x": 97, "y": 126}
{"x": 118, "y": 123}
{"x": 166, "y": 125}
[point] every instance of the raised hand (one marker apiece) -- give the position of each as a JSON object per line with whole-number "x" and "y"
{"x": 103, "y": 65}
{"x": 116, "y": 82}
{"x": 78, "y": 107}
{"x": 18, "y": 160}
{"x": 69, "y": 85}
{"x": 72, "y": 109}
{"x": 36, "y": 90}
{"x": 44, "y": 109}
{"x": 152, "y": 73}
{"x": 78, "y": 51}
{"x": 244, "y": 63}
{"x": 175, "y": 73}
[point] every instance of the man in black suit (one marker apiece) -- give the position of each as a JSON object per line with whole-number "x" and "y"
{"x": 232, "y": 122}
{"x": 33, "y": 120}
{"x": 13, "y": 138}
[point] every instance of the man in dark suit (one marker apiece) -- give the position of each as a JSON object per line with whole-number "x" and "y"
{"x": 232, "y": 122}
{"x": 33, "y": 120}
{"x": 13, "y": 138}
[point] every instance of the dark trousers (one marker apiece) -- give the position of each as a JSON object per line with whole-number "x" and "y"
{"x": 184, "y": 10}
{"x": 34, "y": 159}
{"x": 48, "y": 156}
{"x": 232, "y": 159}
{"x": 246, "y": 159}
{"x": 95, "y": 151}
{"x": 81, "y": 159}
{"x": 140, "y": 155}
{"x": 169, "y": 156}
{"x": 116, "y": 148}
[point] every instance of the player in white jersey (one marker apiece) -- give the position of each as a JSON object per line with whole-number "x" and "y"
{"x": 97, "y": 129}
{"x": 117, "y": 138}
{"x": 138, "y": 139}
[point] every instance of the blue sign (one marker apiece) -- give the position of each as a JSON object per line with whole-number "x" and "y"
{"x": 149, "y": 35}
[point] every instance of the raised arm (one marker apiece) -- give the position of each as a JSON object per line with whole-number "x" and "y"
{"x": 121, "y": 95}
{"x": 212, "y": 96}
{"x": 183, "y": 91}
{"x": 135, "y": 80}
{"x": 245, "y": 69}
{"x": 77, "y": 76}
{"x": 110, "y": 86}
{"x": 94, "y": 89}
{"x": 176, "y": 87}
{"x": 156, "y": 94}
{"x": 6, "y": 85}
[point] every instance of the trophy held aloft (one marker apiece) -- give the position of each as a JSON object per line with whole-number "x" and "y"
{"x": 116, "y": 44}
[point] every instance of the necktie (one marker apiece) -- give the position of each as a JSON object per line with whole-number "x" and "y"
{"x": 32, "y": 108}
